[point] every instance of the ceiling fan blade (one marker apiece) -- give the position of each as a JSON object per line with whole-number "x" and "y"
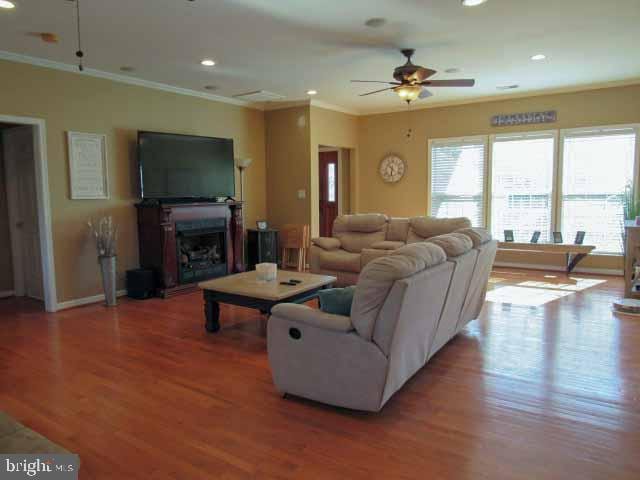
{"x": 425, "y": 93}
{"x": 376, "y": 91}
{"x": 375, "y": 81}
{"x": 421, "y": 74}
{"x": 462, "y": 82}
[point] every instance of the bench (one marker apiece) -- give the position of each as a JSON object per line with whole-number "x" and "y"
{"x": 573, "y": 253}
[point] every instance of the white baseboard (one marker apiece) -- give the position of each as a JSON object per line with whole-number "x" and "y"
{"x": 558, "y": 268}
{"x": 7, "y": 293}
{"x": 87, "y": 300}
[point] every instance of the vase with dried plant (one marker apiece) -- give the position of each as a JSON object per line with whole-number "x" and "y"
{"x": 105, "y": 234}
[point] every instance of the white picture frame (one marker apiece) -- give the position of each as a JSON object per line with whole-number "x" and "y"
{"x": 88, "y": 173}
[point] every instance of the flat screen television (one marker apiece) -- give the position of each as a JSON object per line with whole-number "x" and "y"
{"x": 185, "y": 166}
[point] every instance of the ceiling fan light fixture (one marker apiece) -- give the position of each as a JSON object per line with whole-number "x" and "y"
{"x": 408, "y": 92}
{"x": 472, "y": 3}
{"x": 7, "y": 5}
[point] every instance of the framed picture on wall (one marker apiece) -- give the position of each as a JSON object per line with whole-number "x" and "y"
{"x": 88, "y": 175}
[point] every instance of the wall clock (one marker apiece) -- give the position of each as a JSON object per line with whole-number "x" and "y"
{"x": 392, "y": 169}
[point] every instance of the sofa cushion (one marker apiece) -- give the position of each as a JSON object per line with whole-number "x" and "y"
{"x": 421, "y": 228}
{"x": 477, "y": 235}
{"x": 336, "y": 301}
{"x": 361, "y": 223}
{"x": 370, "y": 254}
{"x": 378, "y": 276}
{"x": 339, "y": 260}
{"x": 356, "y": 232}
{"x": 388, "y": 245}
{"x": 326, "y": 243}
{"x": 453, "y": 244}
{"x": 397, "y": 229}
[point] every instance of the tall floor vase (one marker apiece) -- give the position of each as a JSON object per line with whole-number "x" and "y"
{"x": 108, "y": 269}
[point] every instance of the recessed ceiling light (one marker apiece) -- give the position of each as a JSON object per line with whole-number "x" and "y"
{"x": 7, "y": 5}
{"x": 472, "y": 3}
{"x": 375, "y": 22}
{"x": 538, "y": 57}
{"x": 207, "y": 62}
{"x": 452, "y": 70}
{"x": 312, "y": 92}
{"x": 507, "y": 87}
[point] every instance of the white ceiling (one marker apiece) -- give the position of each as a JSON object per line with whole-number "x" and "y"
{"x": 290, "y": 46}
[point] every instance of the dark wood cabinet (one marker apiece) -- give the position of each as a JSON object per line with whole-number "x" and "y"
{"x": 262, "y": 246}
{"x": 185, "y": 243}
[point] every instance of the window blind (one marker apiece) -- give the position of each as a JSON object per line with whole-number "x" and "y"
{"x": 522, "y": 185}
{"x": 458, "y": 178}
{"x": 597, "y": 166}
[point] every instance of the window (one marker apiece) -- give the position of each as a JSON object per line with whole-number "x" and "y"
{"x": 597, "y": 166}
{"x": 458, "y": 178}
{"x": 522, "y": 168}
{"x": 331, "y": 182}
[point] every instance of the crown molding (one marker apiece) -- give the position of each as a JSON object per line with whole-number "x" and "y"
{"x": 336, "y": 108}
{"x": 280, "y": 105}
{"x": 115, "y": 77}
{"x": 268, "y": 106}
{"x": 510, "y": 96}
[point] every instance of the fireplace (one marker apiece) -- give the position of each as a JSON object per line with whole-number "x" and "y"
{"x": 201, "y": 249}
{"x": 185, "y": 243}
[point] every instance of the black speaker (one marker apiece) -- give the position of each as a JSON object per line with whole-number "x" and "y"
{"x": 141, "y": 283}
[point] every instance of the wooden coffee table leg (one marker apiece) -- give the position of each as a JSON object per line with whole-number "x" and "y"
{"x": 211, "y": 314}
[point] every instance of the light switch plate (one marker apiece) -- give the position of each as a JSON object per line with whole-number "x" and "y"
{"x": 302, "y": 194}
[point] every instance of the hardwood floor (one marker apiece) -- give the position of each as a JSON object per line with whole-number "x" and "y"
{"x": 546, "y": 385}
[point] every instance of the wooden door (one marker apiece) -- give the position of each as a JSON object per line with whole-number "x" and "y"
{"x": 20, "y": 169}
{"x": 328, "y": 191}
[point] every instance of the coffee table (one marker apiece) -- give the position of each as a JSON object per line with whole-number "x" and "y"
{"x": 245, "y": 290}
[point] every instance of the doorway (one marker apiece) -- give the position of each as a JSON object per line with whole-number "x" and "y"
{"x": 329, "y": 191}
{"x": 25, "y": 219}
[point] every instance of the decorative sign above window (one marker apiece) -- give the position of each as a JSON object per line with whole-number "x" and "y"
{"x": 524, "y": 118}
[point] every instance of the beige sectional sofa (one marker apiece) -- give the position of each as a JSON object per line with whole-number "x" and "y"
{"x": 359, "y": 239}
{"x": 408, "y": 303}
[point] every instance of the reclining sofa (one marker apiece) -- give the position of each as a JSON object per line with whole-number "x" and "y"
{"x": 359, "y": 239}
{"x": 408, "y": 304}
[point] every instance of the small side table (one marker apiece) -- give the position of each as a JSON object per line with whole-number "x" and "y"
{"x": 262, "y": 246}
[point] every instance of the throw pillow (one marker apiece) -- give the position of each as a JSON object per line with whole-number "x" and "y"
{"x": 337, "y": 300}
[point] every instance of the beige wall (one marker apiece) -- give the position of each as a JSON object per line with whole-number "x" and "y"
{"x": 6, "y": 267}
{"x": 334, "y": 129}
{"x": 293, "y": 137}
{"x": 288, "y": 153}
{"x": 68, "y": 101}
{"x": 386, "y": 133}
{"x": 345, "y": 179}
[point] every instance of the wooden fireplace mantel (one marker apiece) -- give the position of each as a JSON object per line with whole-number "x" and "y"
{"x": 157, "y": 238}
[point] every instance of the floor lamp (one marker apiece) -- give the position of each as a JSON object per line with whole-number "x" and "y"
{"x": 242, "y": 164}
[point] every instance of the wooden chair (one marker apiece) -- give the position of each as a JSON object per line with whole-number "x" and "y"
{"x": 295, "y": 241}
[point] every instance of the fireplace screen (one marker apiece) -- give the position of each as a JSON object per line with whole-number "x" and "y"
{"x": 201, "y": 253}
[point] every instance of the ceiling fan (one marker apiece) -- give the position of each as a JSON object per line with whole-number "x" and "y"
{"x": 411, "y": 80}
